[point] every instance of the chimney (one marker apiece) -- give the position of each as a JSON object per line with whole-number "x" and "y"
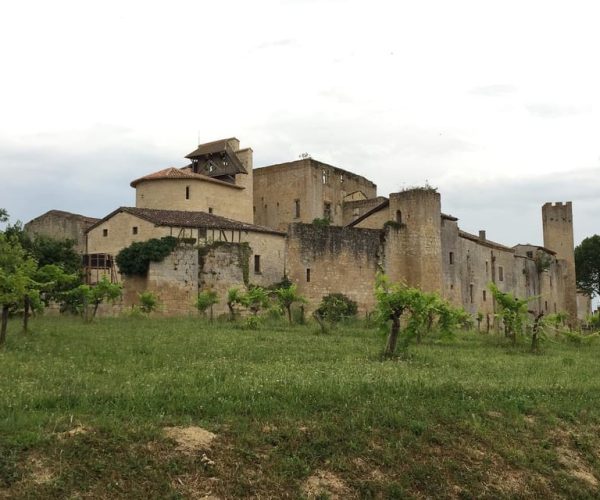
{"x": 482, "y": 234}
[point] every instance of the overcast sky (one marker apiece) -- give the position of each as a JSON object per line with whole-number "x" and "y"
{"x": 496, "y": 103}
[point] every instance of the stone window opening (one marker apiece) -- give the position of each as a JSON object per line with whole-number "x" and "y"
{"x": 550, "y": 281}
{"x": 500, "y": 273}
{"x": 484, "y": 296}
{"x": 134, "y": 230}
{"x": 546, "y": 305}
{"x": 307, "y": 275}
{"x": 297, "y": 209}
{"x": 210, "y": 210}
{"x": 325, "y": 176}
{"x": 471, "y": 293}
{"x": 487, "y": 267}
{"x": 327, "y": 210}
{"x": 105, "y": 232}
{"x": 399, "y": 216}
{"x": 530, "y": 254}
{"x": 257, "y": 264}
{"x": 451, "y": 257}
{"x": 187, "y": 192}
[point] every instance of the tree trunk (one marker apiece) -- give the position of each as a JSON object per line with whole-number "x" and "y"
{"x": 211, "y": 313}
{"x": 26, "y": 304}
{"x": 96, "y": 304}
{"x": 289, "y": 312}
{"x": 535, "y": 339}
{"x": 319, "y": 320}
{"x": 393, "y": 338}
{"x": 4, "y": 325}
{"x": 231, "y": 311}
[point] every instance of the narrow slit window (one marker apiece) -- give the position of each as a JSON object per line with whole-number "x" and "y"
{"x": 134, "y": 230}
{"x": 297, "y": 209}
{"x": 451, "y": 257}
{"x": 187, "y": 192}
{"x": 257, "y": 264}
{"x": 105, "y": 232}
{"x": 399, "y": 216}
{"x": 210, "y": 210}
{"x": 471, "y": 293}
{"x": 500, "y": 273}
{"x": 308, "y": 275}
{"x": 484, "y": 296}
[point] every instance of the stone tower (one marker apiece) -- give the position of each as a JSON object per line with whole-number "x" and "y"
{"x": 414, "y": 249}
{"x": 558, "y": 236}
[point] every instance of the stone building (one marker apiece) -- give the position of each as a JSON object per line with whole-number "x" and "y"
{"x": 305, "y": 190}
{"x": 239, "y": 226}
{"x": 61, "y": 225}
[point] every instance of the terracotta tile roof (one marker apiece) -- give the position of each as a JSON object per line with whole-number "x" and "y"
{"x": 180, "y": 218}
{"x": 177, "y": 173}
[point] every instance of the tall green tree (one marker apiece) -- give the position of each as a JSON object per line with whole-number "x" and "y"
{"x": 587, "y": 265}
{"x": 16, "y": 284}
{"x": 3, "y": 215}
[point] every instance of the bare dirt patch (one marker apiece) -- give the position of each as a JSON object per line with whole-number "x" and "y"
{"x": 75, "y": 431}
{"x": 325, "y": 483}
{"x": 190, "y": 439}
{"x": 39, "y": 472}
{"x": 576, "y": 466}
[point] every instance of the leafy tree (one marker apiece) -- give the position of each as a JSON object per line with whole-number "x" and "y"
{"x": 423, "y": 310}
{"x": 206, "y": 300}
{"x": 512, "y": 310}
{"x": 256, "y": 299}
{"x": 393, "y": 300}
{"x": 234, "y": 297}
{"x": 3, "y": 215}
{"x": 286, "y": 297}
{"x": 55, "y": 283}
{"x": 46, "y": 250}
{"x": 587, "y": 265}
{"x": 91, "y": 296}
{"x": 16, "y": 283}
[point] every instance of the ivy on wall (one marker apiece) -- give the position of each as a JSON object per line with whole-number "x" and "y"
{"x": 135, "y": 259}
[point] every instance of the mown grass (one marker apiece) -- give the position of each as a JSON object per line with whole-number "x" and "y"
{"x": 83, "y": 407}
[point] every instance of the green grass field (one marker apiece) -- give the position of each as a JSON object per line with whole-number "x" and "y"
{"x": 83, "y": 410}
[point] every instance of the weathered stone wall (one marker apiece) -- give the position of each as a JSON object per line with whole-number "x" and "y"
{"x": 584, "y": 305}
{"x": 375, "y": 220}
{"x": 340, "y": 260}
{"x": 352, "y": 210}
{"x": 312, "y": 183}
{"x": 418, "y": 211}
{"x": 558, "y": 236}
{"x": 61, "y": 225}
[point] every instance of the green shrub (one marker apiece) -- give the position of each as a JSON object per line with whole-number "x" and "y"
{"x": 148, "y": 302}
{"x": 336, "y": 307}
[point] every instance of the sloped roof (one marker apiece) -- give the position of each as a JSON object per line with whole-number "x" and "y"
{"x": 178, "y": 173}
{"x": 486, "y": 242}
{"x": 67, "y": 215}
{"x": 216, "y": 159}
{"x": 181, "y": 218}
{"x": 210, "y": 148}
